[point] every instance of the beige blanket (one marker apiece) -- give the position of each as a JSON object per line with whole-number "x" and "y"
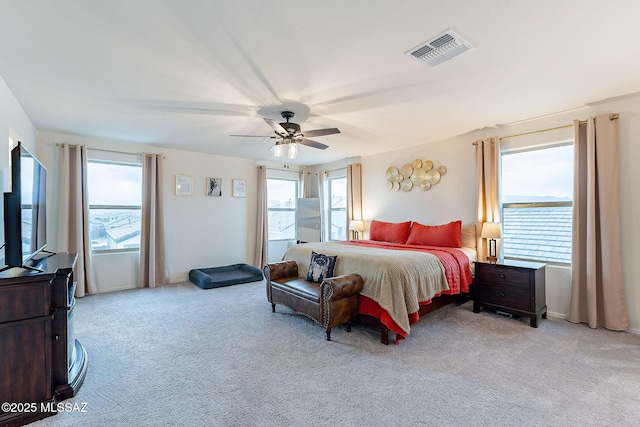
{"x": 397, "y": 280}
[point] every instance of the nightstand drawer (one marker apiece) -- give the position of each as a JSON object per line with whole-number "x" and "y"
{"x": 516, "y": 297}
{"x": 505, "y": 276}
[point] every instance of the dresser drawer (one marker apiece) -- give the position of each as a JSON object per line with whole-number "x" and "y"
{"x": 505, "y": 276}
{"x": 516, "y": 297}
{"x": 26, "y": 301}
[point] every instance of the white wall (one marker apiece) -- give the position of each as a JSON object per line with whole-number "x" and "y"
{"x": 207, "y": 231}
{"x": 455, "y": 196}
{"x": 14, "y": 123}
{"x": 13, "y": 120}
{"x": 201, "y": 231}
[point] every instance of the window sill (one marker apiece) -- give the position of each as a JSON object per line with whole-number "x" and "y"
{"x": 548, "y": 262}
{"x": 113, "y": 251}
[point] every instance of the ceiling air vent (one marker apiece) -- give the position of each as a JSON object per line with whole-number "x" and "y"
{"x": 440, "y": 48}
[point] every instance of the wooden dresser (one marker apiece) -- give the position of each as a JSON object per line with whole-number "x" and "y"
{"x": 515, "y": 287}
{"x": 41, "y": 363}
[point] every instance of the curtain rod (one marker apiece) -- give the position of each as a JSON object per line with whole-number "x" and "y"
{"x": 294, "y": 170}
{"x": 280, "y": 169}
{"x": 108, "y": 151}
{"x": 333, "y": 170}
{"x": 611, "y": 117}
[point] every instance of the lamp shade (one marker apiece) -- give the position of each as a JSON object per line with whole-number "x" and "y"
{"x": 356, "y": 225}
{"x": 491, "y": 230}
{"x": 278, "y": 151}
{"x": 293, "y": 150}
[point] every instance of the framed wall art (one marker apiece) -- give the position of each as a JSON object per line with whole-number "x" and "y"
{"x": 183, "y": 185}
{"x": 239, "y": 188}
{"x": 214, "y": 187}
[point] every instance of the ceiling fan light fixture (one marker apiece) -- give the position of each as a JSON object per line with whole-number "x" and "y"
{"x": 293, "y": 150}
{"x": 278, "y": 151}
{"x": 290, "y": 136}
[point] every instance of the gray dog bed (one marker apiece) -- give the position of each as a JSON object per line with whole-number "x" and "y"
{"x": 215, "y": 277}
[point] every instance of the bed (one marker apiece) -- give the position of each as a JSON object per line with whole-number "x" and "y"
{"x": 405, "y": 274}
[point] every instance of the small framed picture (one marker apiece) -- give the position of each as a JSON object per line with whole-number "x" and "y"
{"x": 214, "y": 187}
{"x": 239, "y": 188}
{"x": 183, "y": 185}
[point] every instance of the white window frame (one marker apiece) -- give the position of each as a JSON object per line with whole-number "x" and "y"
{"x": 293, "y": 209}
{"x": 332, "y": 209}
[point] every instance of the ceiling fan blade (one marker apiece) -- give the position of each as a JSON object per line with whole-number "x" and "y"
{"x": 277, "y": 127}
{"x": 310, "y": 143}
{"x": 207, "y": 108}
{"x": 320, "y": 132}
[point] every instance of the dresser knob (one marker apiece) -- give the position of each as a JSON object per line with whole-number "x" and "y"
{"x": 501, "y": 294}
{"x": 502, "y": 276}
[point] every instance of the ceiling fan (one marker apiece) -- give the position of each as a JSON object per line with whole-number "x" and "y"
{"x": 290, "y": 135}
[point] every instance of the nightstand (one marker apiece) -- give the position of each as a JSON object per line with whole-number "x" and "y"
{"x": 515, "y": 287}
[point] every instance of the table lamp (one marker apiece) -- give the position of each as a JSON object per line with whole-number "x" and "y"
{"x": 491, "y": 231}
{"x": 356, "y": 225}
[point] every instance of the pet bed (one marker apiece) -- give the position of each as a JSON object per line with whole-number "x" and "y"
{"x": 215, "y": 277}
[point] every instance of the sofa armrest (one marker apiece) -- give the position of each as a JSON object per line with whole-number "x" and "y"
{"x": 280, "y": 270}
{"x": 337, "y": 288}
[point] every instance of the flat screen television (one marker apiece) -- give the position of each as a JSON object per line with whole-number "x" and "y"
{"x": 25, "y": 219}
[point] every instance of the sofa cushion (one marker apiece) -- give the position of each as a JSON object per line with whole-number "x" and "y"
{"x": 299, "y": 288}
{"x": 321, "y": 267}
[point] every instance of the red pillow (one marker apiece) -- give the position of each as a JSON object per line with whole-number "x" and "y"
{"x": 389, "y": 231}
{"x": 446, "y": 235}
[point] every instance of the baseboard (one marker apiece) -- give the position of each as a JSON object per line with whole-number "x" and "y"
{"x": 556, "y": 315}
{"x": 104, "y": 290}
{"x": 564, "y": 317}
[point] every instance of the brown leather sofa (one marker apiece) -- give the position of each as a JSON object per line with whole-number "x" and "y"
{"x": 330, "y": 303}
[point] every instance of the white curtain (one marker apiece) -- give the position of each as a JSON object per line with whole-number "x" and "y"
{"x": 487, "y": 167}
{"x": 305, "y": 178}
{"x": 597, "y": 286}
{"x": 354, "y": 194}
{"x": 152, "y": 269}
{"x": 73, "y": 220}
{"x": 323, "y": 193}
{"x": 262, "y": 233}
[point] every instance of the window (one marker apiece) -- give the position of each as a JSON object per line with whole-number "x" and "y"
{"x": 281, "y": 207}
{"x": 115, "y": 200}
{"x": 537, "y": 195}
{"x": 338, "y": 208}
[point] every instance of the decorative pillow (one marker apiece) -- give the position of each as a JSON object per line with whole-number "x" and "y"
{"x": 469, "y": 238}
{"x": 446, "y": 235}
{"x": 321, "y": 267}
{"x": 389, "y": 231}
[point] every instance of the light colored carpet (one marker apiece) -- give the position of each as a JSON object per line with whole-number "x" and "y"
{"x": 182, "y": 356}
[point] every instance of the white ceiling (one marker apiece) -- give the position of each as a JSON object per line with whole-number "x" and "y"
{"x": 186, "y": 74}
